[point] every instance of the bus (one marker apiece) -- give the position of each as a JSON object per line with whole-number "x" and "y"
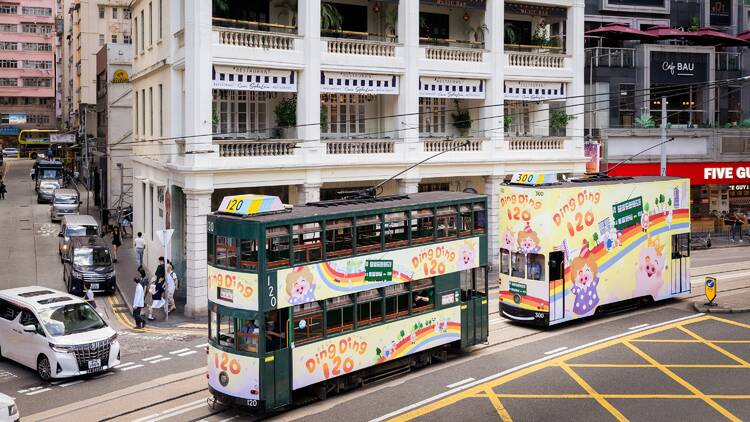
{"x": 33, "y": 142}
{"x": 320, "y": 298}
{"x": 574, "y": 248}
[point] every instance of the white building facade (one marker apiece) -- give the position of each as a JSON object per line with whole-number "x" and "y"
{"x": 261, "y": 99}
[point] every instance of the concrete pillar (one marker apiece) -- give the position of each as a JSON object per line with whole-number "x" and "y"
{"x": 492, "y": 117}
{"x": 308, "y": 192}
{"x": 576, "y": 89}
{"x": 408, "y": 186}
{"x": 492, "y": 190}
{"x": 408, "y": 101}
{"x": 198, "y": 206}
{"x": 308, "y": 91}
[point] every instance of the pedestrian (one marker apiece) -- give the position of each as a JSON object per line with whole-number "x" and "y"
{"x": 740, "y": 219}
{"x": 172, "y": 285}
{"x": 88, "y": 295}
{"x": 116, "y": 241}
{"x": 3, "y": 190}
{"x": 157, "y": 298}
{"x": 140, "y": 246}
{"x": 138, "y": 298}
{"x": 105, "y": 221}
{"x": 160, "y": 270}
{"x": 33, "y": 170}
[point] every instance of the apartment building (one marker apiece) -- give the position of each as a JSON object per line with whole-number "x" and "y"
{"x": 302, "y": 101}
{"x": 27, "y": 67}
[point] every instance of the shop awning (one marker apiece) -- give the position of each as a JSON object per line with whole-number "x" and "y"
{"x": 533, "y": 91}
{"x": 243, "y": 78}
{"x": 451, "y": 88}
{"x": 358, "y": 83}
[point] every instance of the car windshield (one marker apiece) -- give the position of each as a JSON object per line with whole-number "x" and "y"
{"x": 73, "y": 231}
{"x": 50, "y": 174}
{"x": 86, "y": 257}
{"x": 71, "y": 319}
{"x": 66, "y": 199}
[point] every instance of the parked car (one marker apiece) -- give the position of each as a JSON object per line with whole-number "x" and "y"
{"x": 10, "y": 152}
{"x": 75, "y": 226}
{"x": 56, "y": 333}
{"x": 8, "y": 409}
{"x": 88, "y": 260}
{"x": 64, "y": 202}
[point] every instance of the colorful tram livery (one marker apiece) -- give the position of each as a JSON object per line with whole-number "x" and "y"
{"x": 308, "y": 300}
{"x": 570, "y": 249}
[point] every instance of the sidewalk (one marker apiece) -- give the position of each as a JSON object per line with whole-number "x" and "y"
{"x": 725, "y": 304}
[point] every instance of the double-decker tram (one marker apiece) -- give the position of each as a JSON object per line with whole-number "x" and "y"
{"x": 571, "y": 249}
{"x": 310, "y": 300}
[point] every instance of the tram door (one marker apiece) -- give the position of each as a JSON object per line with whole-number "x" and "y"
{"x": 474, "y": 306}
{"x": 680, "y": 263}
{"x": 556, "y": 286}
{"x": 276, "y": 375}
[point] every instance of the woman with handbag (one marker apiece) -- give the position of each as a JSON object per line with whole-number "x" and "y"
{"x": 157, "y": 301}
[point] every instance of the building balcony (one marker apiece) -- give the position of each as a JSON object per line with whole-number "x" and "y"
{"x": 728, "y": 61}
{"x": 540, "y": 63}
{"x": 370, "y": 51}
{"x": 535, "y": 143}
{"x": 610, "y": 57}
{"x": 232, "y": 44}
{"x": 359, "y": 47}
{"x": 256, "y": 147}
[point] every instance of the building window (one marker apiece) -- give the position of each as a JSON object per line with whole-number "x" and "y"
{"x": 137, "y": 121}
{"x": 8, "y": 45}
{"x": 101, "y": 39}
{"x": 41, "y": 119}
{"x": 150, "y": 24}
{"x": 8, "y": 64}
{"x": 161, "y": 110}
{"x": 627, "y": 105}
{"x": 36, "y": 11}
{"x": 114, "y": 13}
{"x": 142, "y": 32}
{"x": 433, "y": 114}
{"x": 143, "y": 111}
{"x": 32, "y": 46}
{"x": 518, "y": 111}
{"x": 101, "y": 12}
{"x": 161, "y": 20}
{"x": 126, "y": 13}
{"x": 126, "y": 38}
{"x": 241, "y": 112}
{"x": 114, "y": 38}
{"x": 346, "y": 114}
{"x": 434, "y": 26}
{"x": 8, "y": 9}
{"x": 37, "y": 64}
{"x": 8, "y": 27}
{"x": 37, "y": 82}
{"x": 28, "y": 28}
{"x": 8, "y": 82}
{"x": 151, "y": 110}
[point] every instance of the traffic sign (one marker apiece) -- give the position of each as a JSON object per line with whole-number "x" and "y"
{"x": 164, "y": 236}
{"x": 710, "y": 289}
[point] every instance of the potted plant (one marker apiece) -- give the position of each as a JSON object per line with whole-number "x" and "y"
{"x": 540, "y": 36}
{"x": 558, "y": 122}
{"x": 461, "y": 120}
{"x": 390, "y": 20}
{"x": 330, "y": 18}
{"x": 507, "y": 121}
{"x": 476, "y": 32}
{"x": 286, "y": 116}
{"x": 510, "y": 34}
{"x": 288, "y": 9}
{"x": 645, "y": 121}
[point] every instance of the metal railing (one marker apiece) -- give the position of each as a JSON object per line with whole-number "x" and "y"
{"x": 610, "y": 57}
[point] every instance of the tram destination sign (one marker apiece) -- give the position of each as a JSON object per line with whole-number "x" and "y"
{"x": 627, "y": 213}
{"x": 378, "y": 269}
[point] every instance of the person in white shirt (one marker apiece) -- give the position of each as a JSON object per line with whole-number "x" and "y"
{"x": 140, "y": 245}
{"x": 172, "y": 284}
{"x": 138, "y": 299}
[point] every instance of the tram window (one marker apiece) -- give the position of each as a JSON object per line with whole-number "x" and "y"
{"x": 226, "y": 331}
{"x": 211, "y": 249}
{"x": 517, "y": 264}
{"x": 466, "y": 279}
{"x": 422, "y": 295}
{"x": 368, "y": 233}
{"x": 535, "y": 266}
{"x": 339, "y": 238}
{"x": 369, "y": 307}
{"x": 339, "y": 314}
{"x": 479, "y": 218}
{"x": 480, "y": 281}
{"x": 247, "y": 337}
{"x": 465, "y": 223}
{"x": 274, "y": 335}
{"x": 277, "y": 247}
{"x": 504, "y": 261}
{"x": 447, "y": 227}
{"x": 396, "y": 226}
{"x": 226, "y": 251}
{"x": 307, "y": 243}
{"x": 213, "y": 326}
{"x": 396, "y": 301}
{"x": 422, "y": 226}
{"x": 249, "y": 254}
{"x": 308, "y": 323}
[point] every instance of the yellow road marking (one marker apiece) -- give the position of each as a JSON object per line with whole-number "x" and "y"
{"x": 729, "y": 321}
{"x": 126, "y": 322}
{"x": 612, "y": 396}
{"x": 715, "y": 347}
{"x": 504, "y": 415}
{"x": 648, "y": 340}
{"x": 645, "y": 365}
{"x": 594, "y": 394}
{"x": 682, "y": 382}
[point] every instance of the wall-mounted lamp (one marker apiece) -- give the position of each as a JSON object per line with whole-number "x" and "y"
{"x": 466, "y": 17}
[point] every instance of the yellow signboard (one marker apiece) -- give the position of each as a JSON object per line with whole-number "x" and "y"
{"x": 710, "y": 289}
{"x": 120, "y": 77}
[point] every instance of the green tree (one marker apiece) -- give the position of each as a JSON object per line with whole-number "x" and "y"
{"x": 330, "y": 18}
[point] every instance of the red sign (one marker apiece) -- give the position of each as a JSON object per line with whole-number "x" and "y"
{"x": 715, "y": 173}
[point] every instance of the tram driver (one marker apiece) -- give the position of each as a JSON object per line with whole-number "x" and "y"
{"x": 248, "y": 336}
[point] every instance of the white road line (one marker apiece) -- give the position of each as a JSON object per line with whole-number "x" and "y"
{"x": 559, "y": 349}
{"x": 179, "y": 351}
{"x": 68, "y": 384}
{"x": 701, "y": 280}
{"x": 462, "y": 382}
{"x": 131, "y": 367}
{"x": 498, "y": 321}
{"x": 230, "y": 419}
{"x": 160, "y": 360}
{"x": 152, "y": 358}
{"x": 187, "y": 353}
{"x": 201, "y": 345}
{"x": 29, "y": 389}
{"x": 638, "y": 326}
{"x": 122, "y": 365}
{"x": 517, "y": 368}
{"x": 173, "y": 411}
{"x": 38, "y": 391}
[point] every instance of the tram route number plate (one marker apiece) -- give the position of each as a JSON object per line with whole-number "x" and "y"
{"x": 518, "y": 288}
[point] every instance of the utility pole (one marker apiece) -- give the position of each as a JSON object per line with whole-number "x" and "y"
{"x": 663, "y": 168}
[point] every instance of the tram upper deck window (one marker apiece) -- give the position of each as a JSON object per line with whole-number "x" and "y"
{"x": 535, "y": 266}
{"x": 422, "y": 226}
{"x": 339, "y": 239}
{"x": 308, "y": 322}
{"x": 308, "y": 246}
{"x": 396, "y": 301}
{"x": 465, "y": 223}
{"x": 226, "y": 251}
{"x": 339, "y": 314}
{"x": 368, "y": 233}
{"x": 277, "y": 247}
{"x": 518, "y": 264}
{"x": 249, "y": 254}
{"x": 447, "y": 227}
{"x": 369, "y": 307}
{"x": 211, "y": 248}
{"x": 504, "y": 261}
{"x": 479, "y": 218}
{"x": 396, "y": 226}
{"x": 422, "y": 295}
{"x": 247, "y": 337}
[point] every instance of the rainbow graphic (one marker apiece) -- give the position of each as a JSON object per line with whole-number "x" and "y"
{"x": 250, "y": 204}
{"x": 355, "y": 281}
{"x": 436, "y": 333}
{"x": 529, "y": 303}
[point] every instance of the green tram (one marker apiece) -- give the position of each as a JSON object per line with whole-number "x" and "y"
{"x": 320, "y": 298}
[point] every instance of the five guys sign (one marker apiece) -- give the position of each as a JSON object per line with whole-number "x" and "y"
{"x": 715, "y": 173}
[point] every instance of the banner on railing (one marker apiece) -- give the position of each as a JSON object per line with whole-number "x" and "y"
{"x": 533, "y": 91}
{"x": 358, "y": 83}
{"x": 243, "y": 78}
{"x": 451, "y": 88}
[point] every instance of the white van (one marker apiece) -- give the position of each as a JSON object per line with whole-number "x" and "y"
{"x": 8, "y": 409}
{"x": 55, "y": 333}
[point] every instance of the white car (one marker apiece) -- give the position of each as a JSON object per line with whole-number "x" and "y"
{"x": 10, "y": 152}
{"x": 56, "y": 333}
{"x": 8, "y": 409}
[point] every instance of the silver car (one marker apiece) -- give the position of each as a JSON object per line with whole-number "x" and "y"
{"x": 74, "y": 226}
{"x": 64, "y": 202}
{"x": 47, "y": 190}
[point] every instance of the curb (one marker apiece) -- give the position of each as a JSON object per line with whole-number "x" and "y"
{"x": 122, "y": 297}
{"x": 718, "y": 310}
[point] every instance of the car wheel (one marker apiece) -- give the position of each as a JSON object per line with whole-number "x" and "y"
{"x": 43, "y": 368}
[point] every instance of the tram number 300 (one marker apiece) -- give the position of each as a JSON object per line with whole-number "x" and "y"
{"x": 227, "y": 363}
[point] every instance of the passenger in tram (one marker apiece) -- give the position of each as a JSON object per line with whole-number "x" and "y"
{"x": 273, "y": 337}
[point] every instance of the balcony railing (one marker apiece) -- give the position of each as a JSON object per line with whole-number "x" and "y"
{"x": 457, "y": 54}
{"x": 360, "y": 47}
{"x": 728, "y": 61}
{"x": 535, "y": 143}
{"x": 255, "y": 39}
{"x": 610, "y": 57}
{"x": 551, "y": 61}
{"x": 441, "y": 144}
{"x": 359, "y": 146}
{"x": 255, "y": 148}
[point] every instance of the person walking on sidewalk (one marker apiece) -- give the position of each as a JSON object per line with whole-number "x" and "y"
{"x": 138, "y": 298}
{"x": 116, "y": 241}
{"x": 140, "y": 245}
{"x": 739, "y": 220}
{"x": 157, "y": 298}
{"x": 172, "y": 284}
{"x": 160, "y": 273}
{"x": 3, "y": 190}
